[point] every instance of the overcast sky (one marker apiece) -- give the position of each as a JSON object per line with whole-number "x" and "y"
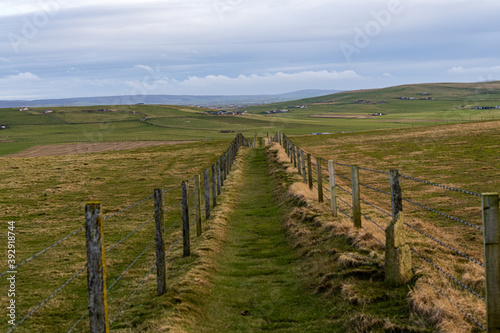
{"x": 63, "y": 48}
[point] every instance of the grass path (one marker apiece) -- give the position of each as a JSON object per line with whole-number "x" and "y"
{"x": 257, "y": 286}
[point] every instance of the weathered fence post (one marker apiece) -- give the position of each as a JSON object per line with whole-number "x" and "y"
{"x": 96, "y": 269}
{"x": 320, "y": 179}
{"x": 397, "y": 252}
{"x": 491, "y": 232}
{"x": 221, "y": 167}
{"x": 356, "y": 202}
{"x": 333, "y": 187}
{"x": 207, "y": 194}
{"x": 185, "y": 222}
{"x": 304, "y": 174}
{"x": 197, "y": 200}
{"x": 161, "y": 280}
{"x": 219, "y": 179}
{"x": 309, "y": 171}
{"x": 299, "y": 165}
{"x": 214, "y": 186}
{"x": 294, "y": 156}
{"x": 396, "y": 194}
{"x": 224, "y": 164}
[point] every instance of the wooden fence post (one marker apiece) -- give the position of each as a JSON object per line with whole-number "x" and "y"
{"x": 356, "y": 202}
{"x": 197, "y": 200}
{"x": 320, "y": 179}
{"x": 214, "y": 186}
{"x": 396, "y": 194}
{"x": 299, "y": 165}
{"x": 309, "y": 171}
{"x": 224, "y": 164}
{"x": 333, "y": 187}
{"x": 397, "y": 252}
{"x": 96, "y": 269}
{"x": 491, "y": 234}
{"x": 219, "y": 179}
{"x": 161, "y": 280}
{"x": 304, "y": 174}
{"x": 185, "y": 222}
{"x": 207, "y": 194}
{"x": 294, "y": 156}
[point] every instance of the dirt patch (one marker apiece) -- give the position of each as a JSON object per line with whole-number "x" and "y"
{"x": 83, "y": 148}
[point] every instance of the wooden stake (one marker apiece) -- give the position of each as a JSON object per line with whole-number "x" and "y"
{"x": 161, "y": 280}
{"x": 96, "y": 269}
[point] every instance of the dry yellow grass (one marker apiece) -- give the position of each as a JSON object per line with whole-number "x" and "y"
{"x": 423, "y": 299}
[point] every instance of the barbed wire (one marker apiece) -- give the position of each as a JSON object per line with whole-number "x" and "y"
{"x": 375, "y": 189}
{"x": 326, "y": 189}
{"x": 349, "y": 216}
{"x": 344, "y": 202}
{"x": 130, "y": 234}
{"x": 78, "y": 321}
{"x": 47, "y": 299}
{"x": 343, "y": 177}
{"x": 378, "y": 240}
{"x": 42, "y": 252}
{"x": 128, "y": 268}
{"x": 342, "y": 164}
{"x": 174, "y": 188}
{"x": 369, "y": 219}
{"x": 376, "y": 171}
{"x": 372, "y": 205}
{"x": 448, "y": 275}
{"x": 128, "y": 208}
{"x": 445, "y": 245}
{"x": 173, "y": 224}
{"x": 439, "y": 185}
{"x": 132, "y": 295}
{"x": 172, "y": 207}
{"x": 343, "y": 189}
{"x": 443, "y": 214}
{"x": 456, "y": 305}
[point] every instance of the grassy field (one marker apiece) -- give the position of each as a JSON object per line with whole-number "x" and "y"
{"x": 333, "y": 113}
{"x": 463, "y": 156}
{"x": 45, "y": 196}
{"x": 441, "y": 140}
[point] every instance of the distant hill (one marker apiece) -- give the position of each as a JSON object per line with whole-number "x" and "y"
{"x": 208, "y": 100}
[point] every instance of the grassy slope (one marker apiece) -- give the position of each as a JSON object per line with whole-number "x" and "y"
{"x": 46, "y": 196}
{"x": 69, "y": 124}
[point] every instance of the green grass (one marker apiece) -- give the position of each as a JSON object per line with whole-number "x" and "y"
{"x": 257, "y": 287}
{"x": 45, "y": 196}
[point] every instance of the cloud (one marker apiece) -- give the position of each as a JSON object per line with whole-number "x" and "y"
{"x": 27, "y": 76}
{"x": 474, "y": 70}
{"x": 145, "y": 67}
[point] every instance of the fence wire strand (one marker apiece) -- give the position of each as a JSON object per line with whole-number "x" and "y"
{"x": 375, "y": 189}
{"x": 43, "y": 251}
{"x": 443, "y": 214}
{"x": 372, "y": 205}
{"x": 130, "y": 234}
{"x": 448, "y": 275}
{"x": 442, "y": 186}
{"x": 48, "y": 298}
{"x": 128, "y": 208}
{"x": 376, "y": 171}
{"x": 130, "y": 266}
{"x": 445, "y": 245}
{"x": 457, "y": 306}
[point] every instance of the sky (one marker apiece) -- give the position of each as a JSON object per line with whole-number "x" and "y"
{"x": 67, "y": 48}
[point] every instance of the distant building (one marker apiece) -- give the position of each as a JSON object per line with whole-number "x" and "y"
{"x": 3, "y": 126}
{"x": 48, "y": 111}
{"x": 24, "y": 109}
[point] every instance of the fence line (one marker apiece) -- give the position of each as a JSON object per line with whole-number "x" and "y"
{"x": 226, "y": 160}
{"x": 311, "y": 173}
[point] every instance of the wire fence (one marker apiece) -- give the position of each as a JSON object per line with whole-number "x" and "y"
{"x": 114, "y": 272}
{"x": 375, "y": 208}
